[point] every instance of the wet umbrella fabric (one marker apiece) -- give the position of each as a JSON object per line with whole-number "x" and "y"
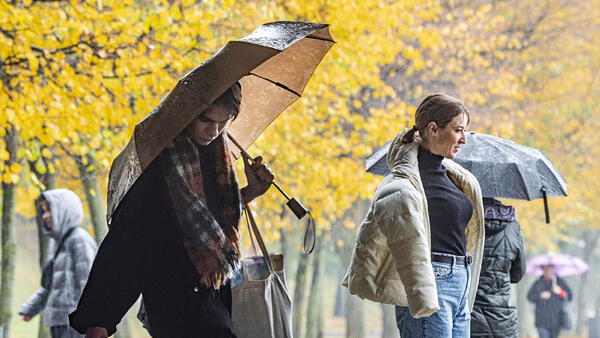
{"x": 273, "y": 64}
{"x": 564, "y": 265}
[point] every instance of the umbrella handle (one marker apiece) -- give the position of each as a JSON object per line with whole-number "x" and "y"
{"x": 546, "y": 210}
{"x": 296, "y": 207}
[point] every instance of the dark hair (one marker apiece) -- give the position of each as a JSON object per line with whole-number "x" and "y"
{"x": 231, "y": 98}
{"x": 439, "y": 108}
{"x": 38, "y": 210}
{"x": 40, "y": 199}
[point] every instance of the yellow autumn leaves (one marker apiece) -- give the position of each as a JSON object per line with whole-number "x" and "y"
{"x": 77, "y": 76}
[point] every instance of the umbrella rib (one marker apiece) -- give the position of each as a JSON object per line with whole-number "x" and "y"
{"x": 277, "y": 84}
{"x": 522, "y": 177}
{"x": 317, "y": 38}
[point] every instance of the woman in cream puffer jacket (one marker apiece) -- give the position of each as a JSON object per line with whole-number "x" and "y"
{"x": 391, "y": 262}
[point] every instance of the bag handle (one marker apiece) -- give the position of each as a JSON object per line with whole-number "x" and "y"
{"x": 252, "y": 242}
{"x": 259, "y": 239}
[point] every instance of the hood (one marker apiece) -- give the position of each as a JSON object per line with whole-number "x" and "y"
{"x": 497, "y": 215}
{"x": 400, "y": 157}
{"x": 66, "y": 209}
{"x": 494, "y": 226}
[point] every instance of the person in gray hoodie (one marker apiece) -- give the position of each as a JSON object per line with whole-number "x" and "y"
{"x": 60, "y": 214}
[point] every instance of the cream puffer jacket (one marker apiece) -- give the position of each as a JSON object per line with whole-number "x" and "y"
{"x": 391, "y": 262}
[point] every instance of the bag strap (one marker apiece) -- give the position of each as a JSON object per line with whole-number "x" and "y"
{"x": 259, "y": 239}
{"x": 254, "y": 251}
{"x": 62, "y": 241}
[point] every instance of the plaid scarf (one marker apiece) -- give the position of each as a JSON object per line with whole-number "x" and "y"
{"x": 208, "y": 226}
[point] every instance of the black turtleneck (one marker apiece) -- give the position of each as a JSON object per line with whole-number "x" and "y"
{"x": 449, "y": 209}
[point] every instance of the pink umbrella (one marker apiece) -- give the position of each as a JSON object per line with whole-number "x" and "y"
{"x": 564, "y": 265}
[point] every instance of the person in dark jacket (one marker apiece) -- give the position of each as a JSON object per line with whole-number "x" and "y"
{"x": 60, "y": 214}
{"x": 549, "y": 293}
{"x": 494, "y": 313}
{"x": 174, "y": 237}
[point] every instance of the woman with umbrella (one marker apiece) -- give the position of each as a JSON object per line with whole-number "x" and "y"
{"x": 550, "y": 293}
{"x": 173, "y": 200}
{"x": 414, "y": 247}
{"x": 174, "y": 238}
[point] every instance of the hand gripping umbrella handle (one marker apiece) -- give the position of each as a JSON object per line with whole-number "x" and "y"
{"x": 296, "y": 207}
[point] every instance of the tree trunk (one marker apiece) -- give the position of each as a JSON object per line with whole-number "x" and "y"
{"x": 591, "y": 240}
{"x": 354, "y": 316}
{"x": 93, "y": 196}
{"x": 8, "y": 237}
{"x": 389, "y": 329}
{"x": 594, "y": 324}
{"x": 299, "y": 291}
{"x": 43, "y": 242}
{"x": 284, "y": 241}
{"x": 48, "y": 179}
{"x": 314, "y": 313}
{"x": 320, "y": 320}
{"x": 354, "y": 307}
{"x": 339, "y": 306}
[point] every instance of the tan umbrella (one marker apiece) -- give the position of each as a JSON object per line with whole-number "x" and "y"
{"x": 273, "y": 64}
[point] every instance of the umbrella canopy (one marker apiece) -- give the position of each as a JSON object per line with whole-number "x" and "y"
{"x": 503, "y": 168}
{"x": 564, "y": 265}
{"x": 273, "y": 64}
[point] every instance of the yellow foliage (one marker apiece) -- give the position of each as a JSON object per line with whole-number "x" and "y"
{"x": 86, "y": 72}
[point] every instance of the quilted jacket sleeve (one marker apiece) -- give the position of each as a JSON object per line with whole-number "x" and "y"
{"x": 82, "y": 250}
{"x": 36, "y": 303}
{"x": 518, "y": 267}
{"x": 400, "y": 218}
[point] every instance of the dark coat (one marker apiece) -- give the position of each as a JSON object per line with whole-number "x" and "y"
{"x": 494, "y": 313}
{"x": 547, "y": 311}
{"x": 143, "y": 253}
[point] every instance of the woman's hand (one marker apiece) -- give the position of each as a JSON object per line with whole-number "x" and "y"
{"x": 557, "y": 289}
{"x": 96, "y": 332}
{"x": 25, "y": 318}
{"x": 259, "y": 178}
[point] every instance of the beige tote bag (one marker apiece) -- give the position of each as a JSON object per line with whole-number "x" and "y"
{"x": 261, "y": 304}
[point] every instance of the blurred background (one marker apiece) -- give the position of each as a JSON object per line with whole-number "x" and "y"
{"x": 76, "y": 76}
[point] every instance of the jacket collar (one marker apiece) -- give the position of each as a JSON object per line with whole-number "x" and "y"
{"x": 402, "y": 159}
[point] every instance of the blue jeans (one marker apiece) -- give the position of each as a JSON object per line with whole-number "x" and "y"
{"x": 453, "y": 319}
